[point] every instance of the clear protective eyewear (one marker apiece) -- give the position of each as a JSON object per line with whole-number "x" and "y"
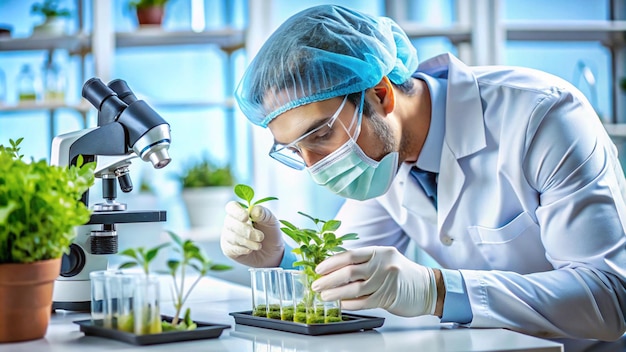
{"x": 320, "y": 140}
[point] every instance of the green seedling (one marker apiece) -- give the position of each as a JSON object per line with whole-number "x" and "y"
{"x": 315, "y": 245}
{"x": 191, "y": 257}
{"x": 246, "y": 193}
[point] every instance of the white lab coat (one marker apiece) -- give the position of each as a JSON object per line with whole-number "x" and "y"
{"x": 531, "y": 208}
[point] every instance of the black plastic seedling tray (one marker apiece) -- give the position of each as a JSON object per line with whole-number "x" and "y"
{"x": 350, "y": 323}
{"x": 203, "y": 331}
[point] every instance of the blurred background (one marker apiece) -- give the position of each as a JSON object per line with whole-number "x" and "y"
{"x": 187, "y": 66}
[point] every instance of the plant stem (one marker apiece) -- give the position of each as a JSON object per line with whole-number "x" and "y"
{"x": 191, "y": 289}
{"x": 179, "y": 294}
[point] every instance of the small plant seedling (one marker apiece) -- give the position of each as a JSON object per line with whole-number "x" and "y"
{"x": 246, "y": 193}
{"x": 141, "y": 257}
{"x": 315, "y": 245}
{"x": 191, "y": 256}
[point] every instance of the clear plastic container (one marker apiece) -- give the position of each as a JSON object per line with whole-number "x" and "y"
{"x": 259, "y": 299}
{"x": 287, "y": 295}
{"x": 28, "y": 86}
{"x": 98, "y": 298}
{"x": 126, "y": 301}
{"x": 54, "y": 83}
{"x": 146, "y": 309}
{"x": 119, "y": 291}
{"x": 272, "y": 277}
{"x": 309, "y": 308}
{"x": 266, "y": 290}
{"x": 287, "y": 302}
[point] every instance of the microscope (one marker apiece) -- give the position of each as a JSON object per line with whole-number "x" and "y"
{"x": 128, "y": 128}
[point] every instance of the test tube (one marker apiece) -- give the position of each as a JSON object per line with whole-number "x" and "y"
{"x": 119, "y": 292}
{"x": 272, "y": 284}
{"x": 98, "y": 298}
{"x": 259, "y": 299}
{"x": 309, "y": 308}
{"x": 146, "y": 310}
{"x": 298, "y": 282}
{"x": 287, "y": 302}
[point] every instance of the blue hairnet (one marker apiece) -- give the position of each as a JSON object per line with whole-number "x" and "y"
{"x": 320, "y": 53}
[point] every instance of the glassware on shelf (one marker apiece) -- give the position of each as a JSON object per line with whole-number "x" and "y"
{"x": 54, "y": 82}
{"x": 27, "y": 85}
{"x": 3, "y": 88}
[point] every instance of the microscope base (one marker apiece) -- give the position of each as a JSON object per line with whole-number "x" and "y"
{"x": 72, "y": 306}
{"x": 73, "y": 295}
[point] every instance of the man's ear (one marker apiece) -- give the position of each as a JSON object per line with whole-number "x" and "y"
{"x": 386, "y": 95}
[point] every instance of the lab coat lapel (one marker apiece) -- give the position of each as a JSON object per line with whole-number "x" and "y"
{"x": 464, "y": 128}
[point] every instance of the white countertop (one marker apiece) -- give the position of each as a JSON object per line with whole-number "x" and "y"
{"x": 213, "y": 299}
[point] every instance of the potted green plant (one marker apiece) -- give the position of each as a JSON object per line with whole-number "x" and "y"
{"x": 54, "y": 18}
{"x": 39, "y": 209}
{"x": 149, "y": 12}
{"x": 190, "y": 256}
{"x": 206, "y": 188}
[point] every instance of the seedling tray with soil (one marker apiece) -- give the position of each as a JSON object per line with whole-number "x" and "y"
{"x": 202, "y": 331}
{"x": 350, "y": 323}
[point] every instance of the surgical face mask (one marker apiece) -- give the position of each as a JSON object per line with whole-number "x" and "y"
{"x": 350, "y": 173}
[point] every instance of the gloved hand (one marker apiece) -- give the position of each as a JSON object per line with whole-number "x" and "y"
{"x": 257, "y": 244}
{"x": 377, "y": 277}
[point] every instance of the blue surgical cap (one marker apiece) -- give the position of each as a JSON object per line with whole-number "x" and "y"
{"x": 320, "y": 53}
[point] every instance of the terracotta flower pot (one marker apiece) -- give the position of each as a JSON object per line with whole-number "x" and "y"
{"x": 150, "y": 16}
{"x": 25, "y": 306}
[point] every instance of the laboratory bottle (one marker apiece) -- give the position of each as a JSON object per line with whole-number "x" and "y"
{"x": 27, "y": 85}
{"x": 54, "y": 82}
{"x": 3, "y": 88}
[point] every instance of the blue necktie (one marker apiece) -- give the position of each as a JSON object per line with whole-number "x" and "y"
{"x": 428, "y": 181}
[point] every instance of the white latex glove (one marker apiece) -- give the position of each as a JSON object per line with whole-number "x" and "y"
{"x": 377, "y": 277}
{"x": 259, "y": 244}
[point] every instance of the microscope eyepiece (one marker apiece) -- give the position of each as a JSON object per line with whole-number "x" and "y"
{"x": 103, "y": 98}
{"x": 96, "y": 92}
{"x": 123, "y": 91}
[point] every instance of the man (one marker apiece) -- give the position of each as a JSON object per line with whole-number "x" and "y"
{"x": 503, "y": 175}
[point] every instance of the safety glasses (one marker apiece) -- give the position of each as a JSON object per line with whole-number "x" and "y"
{"x": 321, "y": 140}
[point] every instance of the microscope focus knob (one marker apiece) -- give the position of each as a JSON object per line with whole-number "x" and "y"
{"x": 126, "y": 184}
{"x": 104, "y": 241}
{"x": 74, "y": 262}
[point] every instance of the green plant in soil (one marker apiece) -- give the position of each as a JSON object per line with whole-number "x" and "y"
{"x": 260, "y": 311}
{"x": 49, "y": 9}
{"x": 315, "y": 245}
{"x": 273, "y": 311}
{"x": 191, "y": 257}
{"x": 40, "y": 205}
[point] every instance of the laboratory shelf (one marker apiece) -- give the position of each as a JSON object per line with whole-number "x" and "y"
{"x": 82, "y": 107}
{"x": 456, "y": 33}
{"x": 72, "y": 43}
{"x": 607, "y": 32}
{"x": 226, "y": 38}
{"x": 194, "y": 104}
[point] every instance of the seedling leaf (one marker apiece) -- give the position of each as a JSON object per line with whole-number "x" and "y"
{"x": 244, "y": 192}
{"x": 263, "y": 200}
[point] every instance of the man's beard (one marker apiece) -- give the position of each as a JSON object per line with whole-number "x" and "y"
{"x": 384, "y": 133}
